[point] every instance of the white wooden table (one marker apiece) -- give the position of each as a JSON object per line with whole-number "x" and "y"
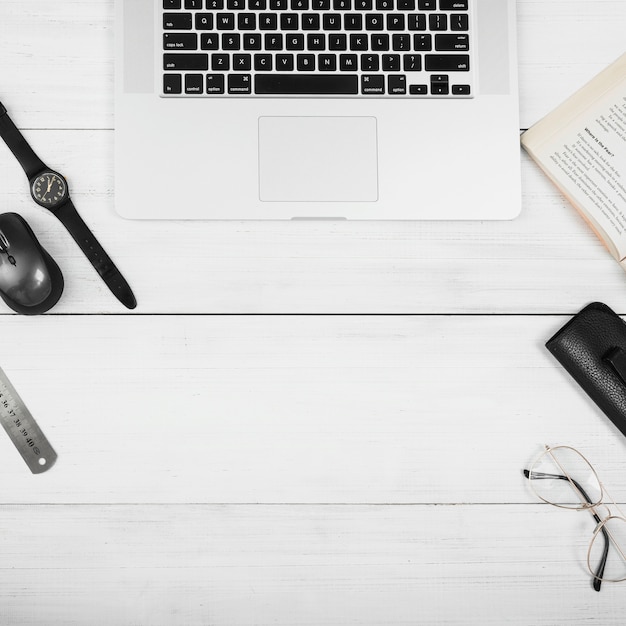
{"x": 301, "y": 423}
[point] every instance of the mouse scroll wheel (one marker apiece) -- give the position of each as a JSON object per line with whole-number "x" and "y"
{"x": 4, "y": 242}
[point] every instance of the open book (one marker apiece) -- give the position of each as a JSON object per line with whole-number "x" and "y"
{"x": 581, "y": 146}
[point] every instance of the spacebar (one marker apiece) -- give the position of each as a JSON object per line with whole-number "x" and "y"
{"x": 307, "y": 84}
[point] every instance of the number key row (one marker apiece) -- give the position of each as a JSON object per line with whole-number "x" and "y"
{"x": 317, "y": 5}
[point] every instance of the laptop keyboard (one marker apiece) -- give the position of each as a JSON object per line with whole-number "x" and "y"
{"x": 317, "y": 48}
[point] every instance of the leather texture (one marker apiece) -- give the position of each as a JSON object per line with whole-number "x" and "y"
{"x": 590, "y": 347}
{"x": 87, "y": 242}
{"x": 18, "y": 145}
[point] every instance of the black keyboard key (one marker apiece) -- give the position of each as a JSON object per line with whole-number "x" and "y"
{"x": 391, "y": 62}
{"x": 348, "y": 62}
{"x": 278, "y": 5}
{"x": 263, "y": 62}
{"x": 459, "y": 22}
{"x": 395, "y": 21}
{"x": 438, "y": 21}
{"x": 257, "y": 5}
{"x": 209, "y": 41}
{"x": 358, "y": 42}
{"x": 252, "y": 41}
{"x": 193, "y": 5}
{"x": 406, "y": 5}
{"x": 316, "y": 41}
{"x": 426, "y": 5}
{"x": 353, "y": 21}
{"x": 225, "y": 21}
{"x": 461, "y": 90}
{"x": 422, "y": 42}
{"x": 231, "y": 41}
{"x": 220, "y": 62}
{"x": 169, "y": 5}
{"x": 451, "y": 43}
{"x": 412, "y": 63}
{"x": 418, "y": 90}
{"x": 342, "y": 5}
{"x": 380, "y": 42}
{"x": 417, "y": 21}
{"x": 268, "y": 21}
{"x": 338, "y": 42}
{"x": 289, "y": 21}
{"x": 331, "y": 21}
{"x": 384, "y": 5}
{"x": 194, "y": 84}
{"x": 284, "y": 62}
{"x": 310, "y": 21}
{"x": 235, "y": 5}
{"x": 273, "y": 41}
{"x": 397, "y": 85}
{"x": 447, "y": 62}
{"x": 439, "y": 85}
{"x": 214, "y": 5}
{"x": 372, "y": 84}
{"x": 246, "y": 21}
{"x": 453, "y": 5}
{"x": 177, "y": 21}
{"x": 215, "y": 83}
{"x": 242, "y": 62}
{"x": 305, "y": 62}
{"x": 363, "y": 5}
{"x": 239, "y": 83}
{"x": 320, "y": 5}
{"x": 204, "y": 21}
{"x": 400, "y": 43}
{"x": 180, "y": 41}
{"x": 299, "y": 5}
{"x": 327, "y": 62}
{"x": 182, "y": 62}
{"x": 295, "y": 41}
{"x": 306, "y": 84}
{"x": 374, "y": 21}
{"x": 370, "y": 63}
{"x": 172, "y": 84}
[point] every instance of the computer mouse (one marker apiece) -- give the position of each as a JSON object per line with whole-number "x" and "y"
{"x": 30, "y": 280}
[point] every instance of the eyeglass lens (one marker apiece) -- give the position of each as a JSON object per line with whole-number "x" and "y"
{"x": 563, "y": 477}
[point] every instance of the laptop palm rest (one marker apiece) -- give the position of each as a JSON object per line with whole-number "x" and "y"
{"x": 318, "y": 159}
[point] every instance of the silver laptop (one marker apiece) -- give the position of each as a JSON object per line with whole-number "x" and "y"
{"x": 316, "y": 109}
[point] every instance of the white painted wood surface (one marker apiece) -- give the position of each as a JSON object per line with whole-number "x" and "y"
{"x": 271, "y": 469}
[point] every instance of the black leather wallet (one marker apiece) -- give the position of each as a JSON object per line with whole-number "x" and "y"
{"x": 592, "y": 348}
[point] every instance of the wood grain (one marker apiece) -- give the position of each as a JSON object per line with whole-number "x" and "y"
{"x": 298, "y": 470}
{"x": 299, "y": 566}
{"x": 187, "y": 409}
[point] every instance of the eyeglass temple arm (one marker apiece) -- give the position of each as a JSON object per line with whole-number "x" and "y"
{"x": 597, "y": 582}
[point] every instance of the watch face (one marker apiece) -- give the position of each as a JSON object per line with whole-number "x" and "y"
{"x": 49, "y": 189}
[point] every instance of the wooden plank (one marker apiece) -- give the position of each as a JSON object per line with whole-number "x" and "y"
{"x": 184, "y": 409}
{"x": 546, "y": 261}
{"x": 299, "y": 566}
{"x": 58, "y": 57}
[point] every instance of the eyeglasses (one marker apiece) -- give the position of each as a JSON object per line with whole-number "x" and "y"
{"x": 563, "y": 477}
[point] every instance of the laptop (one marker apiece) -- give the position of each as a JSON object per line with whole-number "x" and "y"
{"x": 316, "y": 109}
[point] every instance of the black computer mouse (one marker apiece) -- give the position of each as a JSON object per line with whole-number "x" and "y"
{"x": 30, "y": 280}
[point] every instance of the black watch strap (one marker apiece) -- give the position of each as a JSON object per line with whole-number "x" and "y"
{"x": 86, "y": 240}
{"x": 18, "y": 145}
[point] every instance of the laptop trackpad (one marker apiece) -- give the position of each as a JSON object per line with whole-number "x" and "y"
{"x": 318, "y": 159}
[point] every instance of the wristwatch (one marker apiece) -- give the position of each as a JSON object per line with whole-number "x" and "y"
{"x": 49, "y": 190}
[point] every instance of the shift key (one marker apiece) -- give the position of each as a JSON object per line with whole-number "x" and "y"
{"x": 181, "y": 62}
{"x": 447, "y": 62}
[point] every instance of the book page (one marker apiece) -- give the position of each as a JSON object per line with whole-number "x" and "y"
{"x": 582, "y": 147}
{"x": 593, "y": 164}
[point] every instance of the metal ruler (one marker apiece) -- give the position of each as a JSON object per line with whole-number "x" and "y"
{"x": 23, "y": 430}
